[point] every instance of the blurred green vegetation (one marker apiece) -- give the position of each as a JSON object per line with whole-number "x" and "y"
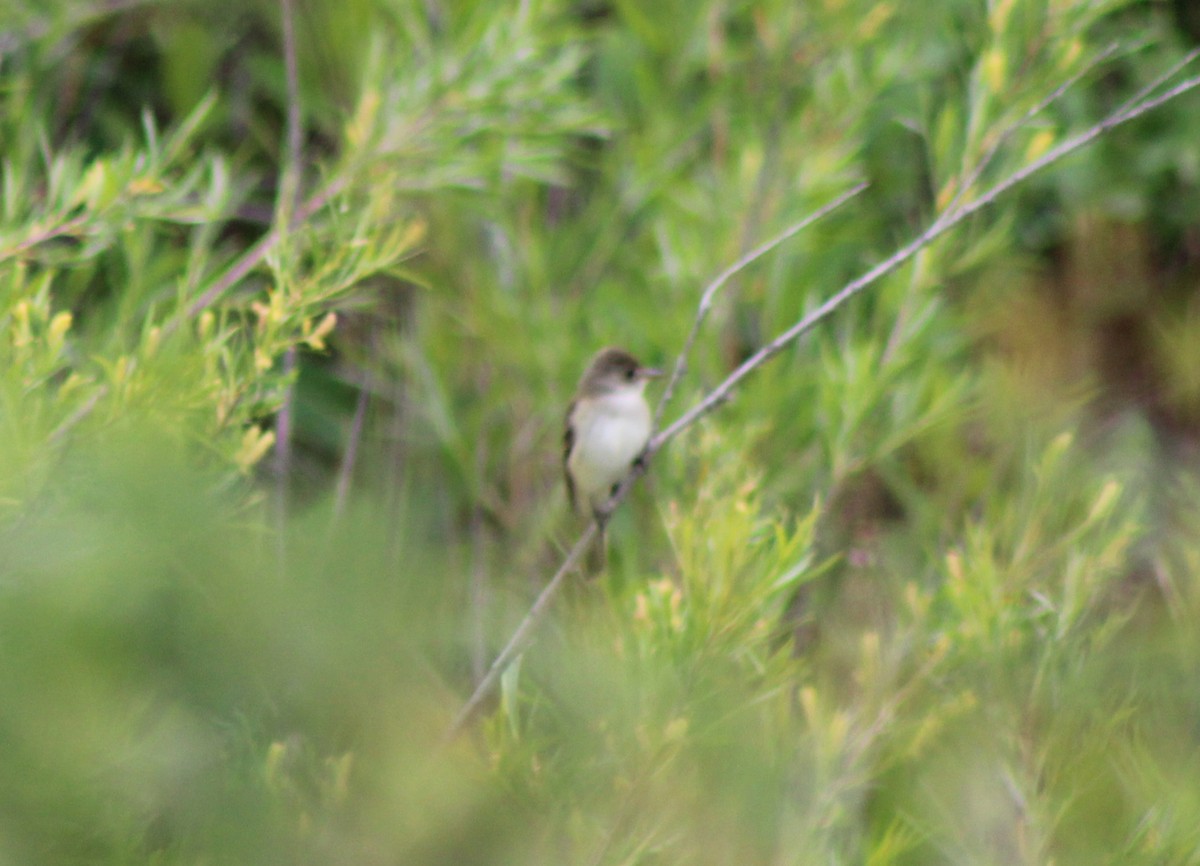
{"x": 924, "y": 592}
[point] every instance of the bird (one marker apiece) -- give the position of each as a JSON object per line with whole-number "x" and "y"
{"x": 607, "y": 428}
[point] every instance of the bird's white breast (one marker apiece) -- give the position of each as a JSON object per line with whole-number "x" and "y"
{"x": 610, "y": 432}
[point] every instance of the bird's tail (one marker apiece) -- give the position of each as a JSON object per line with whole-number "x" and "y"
{"x": 596, "y": 560}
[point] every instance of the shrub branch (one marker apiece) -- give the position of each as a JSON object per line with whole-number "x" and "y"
{"x": 956, "y": 213}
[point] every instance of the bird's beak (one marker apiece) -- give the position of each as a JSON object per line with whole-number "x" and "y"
{"x": 649, "y": 373}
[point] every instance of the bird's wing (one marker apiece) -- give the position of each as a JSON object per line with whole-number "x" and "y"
{"x": 568, "y": 445}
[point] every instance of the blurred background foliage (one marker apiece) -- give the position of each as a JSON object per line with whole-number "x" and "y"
{"x": 278, "y": 476}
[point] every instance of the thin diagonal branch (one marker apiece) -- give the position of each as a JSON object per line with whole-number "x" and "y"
{"x": 948, "y": 220}
{"x": 64, "y": 229}
{"x": 254, "y": 256}
{"x": 1053, "y": 97}
{"x": 1162, "y": 79}
{"x": 972, "y": 177}
{"x": 525, "y": 630}
{"x": 290, "y": 186}
{"x": 285, "y": 209}
{"x": 521, "y": 637}
{"x": 710, "y": 291}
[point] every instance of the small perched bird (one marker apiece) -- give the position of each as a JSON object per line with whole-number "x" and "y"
{"x": 608, "y": 426}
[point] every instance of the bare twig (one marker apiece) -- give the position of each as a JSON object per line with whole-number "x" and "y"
{"x": 516, "y": 644}
{"x": 976, "y": 171}
{"x": 525, "y": 630}
{"x": 1162, "y": 79}
{"x": 67, "y": 228}
{"x": 254, "y": 256}
{"x": 948, "y": 220}
{"x": 1052, "y": 98}
{"x": 289, "y": 190}
{"x": 288, "y": 206}
{"x": 11, "y": 40}
{"x": 289, "y": 187}
{"x": 235, "y": 274}
{"x": 710, "y": 291}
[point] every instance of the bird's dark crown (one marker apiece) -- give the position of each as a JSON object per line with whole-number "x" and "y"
{"x": 610, "y": 366}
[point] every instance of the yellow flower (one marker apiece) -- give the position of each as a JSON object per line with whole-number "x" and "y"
{"x": 59, "y": 325}
{"x": 316, "y": 339}
{"x": 255, "y": 444}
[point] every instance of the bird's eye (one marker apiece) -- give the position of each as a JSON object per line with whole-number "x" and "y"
{"x": 630, "y": 374}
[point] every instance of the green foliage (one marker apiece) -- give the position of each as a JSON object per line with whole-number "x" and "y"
{"x": 923, "y": 591}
